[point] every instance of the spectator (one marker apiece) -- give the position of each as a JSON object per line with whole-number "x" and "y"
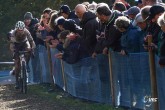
{"x": 125, "y": 3}
{"x": 92, "y": 6}
{"x": 64, "y": 25}
{"x": 70, "y": 47}
{"x": 143, "y": 29}
{"x": 153, "y": 28}
{"x": 68, "y": 14}
{"x": 139, "y": 3}
{"x": 161, "y": 45}
{"x": 111, "y": 36}
{"x": 30, "y": 24}
{"x": 46, "y": 13}
{"x": 59, "y": 22}
{"x": 145, "y": 12}
{"x": 119, "y": 6}
{"x": 132, "y": 12}
{"x": 130, "y": 39}
{"x": 89, "y": 25}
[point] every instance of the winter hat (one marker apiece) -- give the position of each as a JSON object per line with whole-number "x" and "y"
{"x": 65, "y": 9}
{"x": 28, "y": 15}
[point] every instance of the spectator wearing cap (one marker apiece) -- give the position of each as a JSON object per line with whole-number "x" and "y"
{"x": 66, "y": 24}
{"x": 161, "y": 43}
{"x": 59, "y": 22}
{"x": 139, "y": 3}
{"x": 153, "y": 27}
{"x": 89, "y": 25}
{"x": 143, "y": 29}
{"x": 132, "y": 12}
{"x": 66, "y": 12}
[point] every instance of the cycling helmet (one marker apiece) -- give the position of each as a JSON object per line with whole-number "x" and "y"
{"x": 20, "y": 25}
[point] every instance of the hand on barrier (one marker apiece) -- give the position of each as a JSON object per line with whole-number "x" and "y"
{"x": 150, "y": 47}
{"x": 94, "y": 55}
{"x": 123, "y": 52}
{"x": 162, "y": 62}
{"x": 59, "y": 55}
{"x": 105, "y": 51}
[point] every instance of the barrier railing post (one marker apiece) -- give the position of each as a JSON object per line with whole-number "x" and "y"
{"x": 111, "y": 78}
{"x": 154, "y": 92}
{"x": 50, "y": 62}
{"x": 63, "y": 76}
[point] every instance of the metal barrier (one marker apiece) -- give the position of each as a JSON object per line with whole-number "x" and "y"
{"x": 6, "y": 63}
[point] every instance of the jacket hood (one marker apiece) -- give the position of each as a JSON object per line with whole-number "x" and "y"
{"x": 88, "y": 16}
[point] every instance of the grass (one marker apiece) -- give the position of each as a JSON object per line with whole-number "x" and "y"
{"x": 63, "y": 99}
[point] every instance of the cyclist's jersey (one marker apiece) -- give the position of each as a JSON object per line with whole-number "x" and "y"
{"x": 19, "y": 38}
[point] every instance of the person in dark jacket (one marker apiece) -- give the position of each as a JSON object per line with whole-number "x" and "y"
{"x": 66, "y": 12}
{"x": 161, "y": 46}
{"x": 89, "y": 25}
{"x": 112, "y": 36}
{"x": 153, "y": 28}
{"x": 70, "y": 46}
{"x": 142, "y": 26}
{"x": 31, "y": 25}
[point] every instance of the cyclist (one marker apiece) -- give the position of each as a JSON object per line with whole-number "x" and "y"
{"x": 21, "y": 40}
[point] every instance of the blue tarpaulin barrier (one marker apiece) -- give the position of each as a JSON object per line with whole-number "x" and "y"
{"x": 160, "y": 74}
{"x": 89, "y": 78}
{"x": 44, "y": 65}
{"x": 131, "y": 79}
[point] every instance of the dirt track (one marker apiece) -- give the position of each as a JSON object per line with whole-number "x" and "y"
{"x": 10, "y": 99}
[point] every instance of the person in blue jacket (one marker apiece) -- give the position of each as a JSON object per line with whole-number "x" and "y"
{"x": 130, "y": 39}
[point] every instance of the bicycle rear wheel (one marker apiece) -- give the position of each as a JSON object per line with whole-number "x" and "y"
{"x": 24, "y": 78}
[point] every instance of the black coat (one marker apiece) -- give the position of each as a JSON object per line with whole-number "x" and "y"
{"x": 112, "y": 35}
{"x": 162, "y": 50}
{"x": 32, "y": 29}
{"x": 89, "y": 25}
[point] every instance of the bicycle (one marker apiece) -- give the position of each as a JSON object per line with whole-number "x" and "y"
{"x": 22, "y": 79}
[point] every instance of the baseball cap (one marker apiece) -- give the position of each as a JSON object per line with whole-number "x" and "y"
{"x": 65, "y": 9}
{"x": 154, "y": 10}
{"x": 59, "y": 21}
{"x": 132, "y": 10}
{"x": 138, "y": 19}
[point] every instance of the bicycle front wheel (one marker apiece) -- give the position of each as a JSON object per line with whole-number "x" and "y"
{"x": 24, "y": 78}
